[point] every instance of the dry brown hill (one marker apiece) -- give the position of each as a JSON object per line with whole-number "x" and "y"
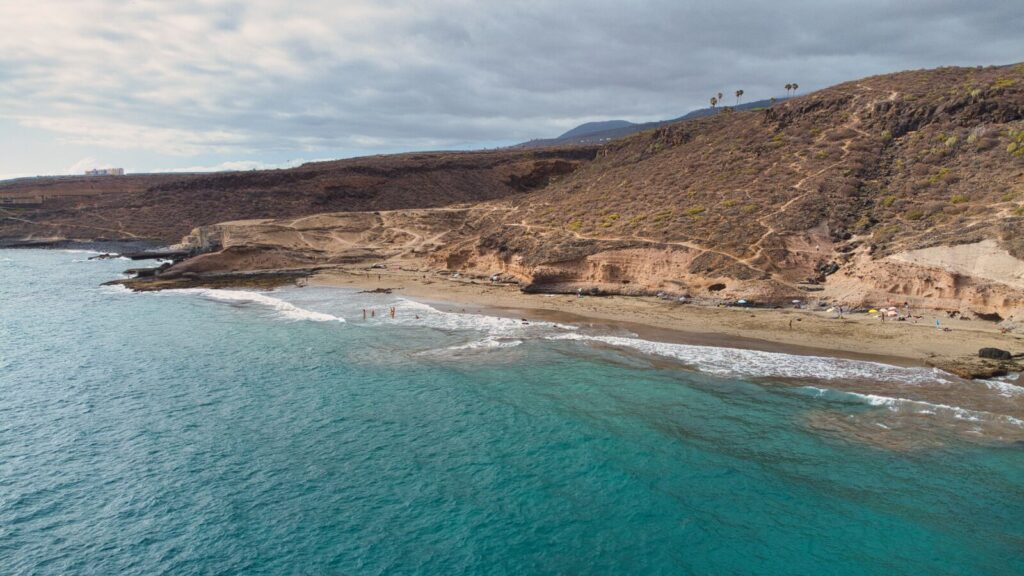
{"x": 855, "y": 189}
{"x": 907, "y": 186}
{"x": 901, "y": 187}
{"x": 165, "y": 207}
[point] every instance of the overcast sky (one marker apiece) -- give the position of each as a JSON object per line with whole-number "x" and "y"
{"x": 178, "y": 84}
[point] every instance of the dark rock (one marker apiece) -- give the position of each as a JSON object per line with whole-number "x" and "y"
{"x": 994, "y": 354}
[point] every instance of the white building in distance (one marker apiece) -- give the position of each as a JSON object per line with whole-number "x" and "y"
{"x": 105, "y": 172}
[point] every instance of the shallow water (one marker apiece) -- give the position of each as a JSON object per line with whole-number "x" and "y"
{"x": 196, "y": 432}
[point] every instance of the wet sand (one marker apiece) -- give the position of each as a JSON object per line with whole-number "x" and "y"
{"x": 893, "y": 415}
{"x": 858, "y": 336}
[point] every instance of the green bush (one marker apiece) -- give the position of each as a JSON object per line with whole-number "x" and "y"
{"x": 695, "y": 210}
{"x": 888, "y": 200}
{"x": 958, "y": 199}
{"x": 914, "y": 215}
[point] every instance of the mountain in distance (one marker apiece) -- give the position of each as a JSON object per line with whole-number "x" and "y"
{"x": 608, "y": 130}
{"x": 593, "y": 127}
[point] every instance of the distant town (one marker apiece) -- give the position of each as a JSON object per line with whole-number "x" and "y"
{"x": 105, "y": 172}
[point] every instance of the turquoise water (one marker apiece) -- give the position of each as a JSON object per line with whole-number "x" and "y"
{"x": 196, "y": 433}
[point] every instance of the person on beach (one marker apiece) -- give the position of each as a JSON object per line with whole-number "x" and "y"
{"x": 364, "y": 313}
{"x": 373, "y": 313}
{"x": 938, "y": 325}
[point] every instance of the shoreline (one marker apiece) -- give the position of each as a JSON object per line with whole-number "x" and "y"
{"x": 791, "y": 331}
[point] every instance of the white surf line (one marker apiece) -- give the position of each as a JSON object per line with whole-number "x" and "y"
{"x": 755, "y": 363}
{"x": 285, "y": 309}
{"x": 895, "y": 403}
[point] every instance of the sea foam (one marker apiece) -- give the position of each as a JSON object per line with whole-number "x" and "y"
{"x": 895, "y": 404}
{"x": 285, "y": 309}
{"x": 757, "y": 364}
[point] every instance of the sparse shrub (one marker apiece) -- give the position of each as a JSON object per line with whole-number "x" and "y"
{"x": 958, "y": 199}
{"x": 694, "y": 210}
{"x": 942, "y": 174}
{"x": 608, "y": 220}
{"x": 886, "y": 135}
{"x": 728, "y": 203}
{"x": 1009, "y": 197}
{"x": 885, "y": 233}
{"x": 1016, "y": 145}
{"x": 1004, "y": 83}
{"x": 1019, "y": 211}
{"x": 575, "y": 225}
{"x": 950, "y": 142}
{"x": 914, "y": 215}
{"x": 888, "y": 200}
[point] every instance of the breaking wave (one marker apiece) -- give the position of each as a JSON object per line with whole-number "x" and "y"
{"x": 908, "y": 405}
{"x": 759, "y": 364}
{"x": 285, "y": 309}
{"x": 489, "y": 343}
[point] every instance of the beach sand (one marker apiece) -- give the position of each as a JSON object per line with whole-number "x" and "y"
{"x": 810, "y": 332}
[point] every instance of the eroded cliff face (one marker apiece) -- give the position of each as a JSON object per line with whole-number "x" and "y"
{"x": 976, "y": 280}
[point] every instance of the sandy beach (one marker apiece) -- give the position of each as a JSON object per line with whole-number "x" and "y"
{"x": 800, "y": 331}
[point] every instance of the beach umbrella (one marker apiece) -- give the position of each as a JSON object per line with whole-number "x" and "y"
{"x": 741, "y": 301}
{"x": 872, "y": 311}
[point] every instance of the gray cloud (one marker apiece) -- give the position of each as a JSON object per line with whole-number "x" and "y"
{"x": 201, "y": 77}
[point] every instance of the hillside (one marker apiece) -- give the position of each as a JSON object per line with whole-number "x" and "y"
{"x": 906, "y": 186}
{"x": 165, "y": 207}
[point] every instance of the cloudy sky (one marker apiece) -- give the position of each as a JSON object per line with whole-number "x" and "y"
{"x": 202, "y": 84}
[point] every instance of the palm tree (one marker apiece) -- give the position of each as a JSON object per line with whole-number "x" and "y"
{"x": 714, "y": 102}
{"x": 795, "y": 86}
{"x": 739, "y": 94}
{"x": 788, "y": 88}
{"x": 719, "y": 96}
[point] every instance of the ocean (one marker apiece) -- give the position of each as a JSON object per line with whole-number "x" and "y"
{"x": 238, "y": 432}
